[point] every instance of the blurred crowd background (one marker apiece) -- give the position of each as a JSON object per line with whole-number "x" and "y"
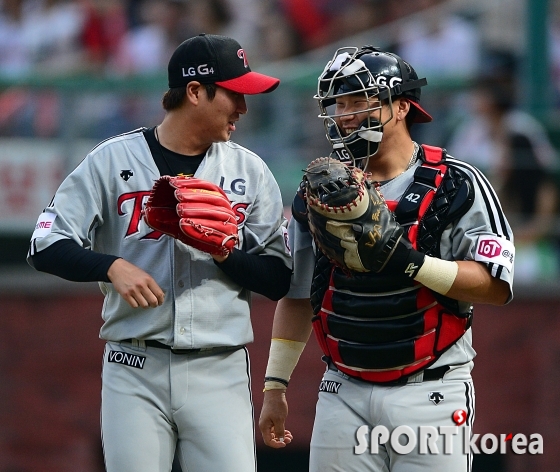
{"x": 75, "y": 72}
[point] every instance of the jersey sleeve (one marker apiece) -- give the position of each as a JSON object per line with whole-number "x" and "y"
{"x": 483, "y": 234}
{"x": 304, "y": 260}
{"x": 73, "y": 213}
{"x": 265, "y": 229}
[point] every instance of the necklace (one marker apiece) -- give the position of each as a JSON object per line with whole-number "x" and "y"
{"x": 412, "y": 161}
{"x": 412, "y": 158}
{"x": 161, "y": 153}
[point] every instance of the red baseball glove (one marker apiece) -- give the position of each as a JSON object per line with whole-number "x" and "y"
{"x": 194, "y": 211}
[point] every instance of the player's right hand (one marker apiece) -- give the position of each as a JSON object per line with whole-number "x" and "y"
{"x": 272, "y": 419}
{"x": 136, "y": 286}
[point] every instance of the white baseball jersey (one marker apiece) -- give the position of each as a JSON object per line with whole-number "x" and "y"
{"x": 475, "y": 236}
{"x": 99, "y": 206}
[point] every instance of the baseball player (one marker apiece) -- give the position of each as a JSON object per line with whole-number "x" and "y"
{"x": 393, "y": 321}
{"x": 175, "y": 317}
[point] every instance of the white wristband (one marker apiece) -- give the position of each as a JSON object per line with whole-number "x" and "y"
{"x": 282, "y": 360}
{"x": 437, "y": 274}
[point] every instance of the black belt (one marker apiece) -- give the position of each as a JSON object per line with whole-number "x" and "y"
{"x": 429, "y": 374}
{"x": 203, "y": 350}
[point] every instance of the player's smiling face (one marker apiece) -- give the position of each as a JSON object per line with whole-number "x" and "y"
{"x": 351, "y": 110}
{"x": 222, "y": 113}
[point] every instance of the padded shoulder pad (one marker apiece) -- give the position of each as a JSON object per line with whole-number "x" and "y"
{"x": 453, "y": 198}
{"x": 434, "y": 155}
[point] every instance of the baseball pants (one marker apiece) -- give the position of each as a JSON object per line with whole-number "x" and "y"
{"x": 154, "y": 401}
{"x": 346, "y": 404}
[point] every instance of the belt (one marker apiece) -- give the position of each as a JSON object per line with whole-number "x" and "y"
{"x": 422, "y": 376}
{"x": 427, "y": 375}
{"x": 202, "y": 350}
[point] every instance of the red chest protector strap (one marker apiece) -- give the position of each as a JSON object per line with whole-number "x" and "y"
{"x": 419, "y": 195}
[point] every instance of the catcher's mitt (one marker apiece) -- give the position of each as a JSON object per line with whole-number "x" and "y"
{"x": 193, "y": 211}
{"x": 348, "y": 218}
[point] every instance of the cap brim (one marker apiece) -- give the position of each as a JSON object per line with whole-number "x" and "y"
{"x": 251, "y": 83}
{"x": 422, "y": 116}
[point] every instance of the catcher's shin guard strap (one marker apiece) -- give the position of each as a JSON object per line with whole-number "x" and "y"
{"x": 282, "y": 359}
{"x": 437, "y": 274}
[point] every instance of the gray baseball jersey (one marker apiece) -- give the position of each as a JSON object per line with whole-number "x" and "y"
{"x": 99, "y": 206}
{"x": 152, "y": 398}
{"x": 346, "y": 404}
{"x": 472, "y": 237}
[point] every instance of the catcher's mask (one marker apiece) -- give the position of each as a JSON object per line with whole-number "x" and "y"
{"x": 380, "y": 76}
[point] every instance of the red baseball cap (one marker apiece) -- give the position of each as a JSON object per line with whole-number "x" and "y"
{"x": 214, "y": 59}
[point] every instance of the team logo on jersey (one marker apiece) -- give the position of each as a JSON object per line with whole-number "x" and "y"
{"x": 436, "y": 397}
{"x": 329, "y": 386}
{"x": 241, "y": 55}
{"x": 131, "y": 360}
{"x": 236, "y": 186}
{"x": 126, "y": 174}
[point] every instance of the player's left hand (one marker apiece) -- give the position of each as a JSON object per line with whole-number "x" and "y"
{"x": 272, "y": 419}
{"x": 194, "y": 211}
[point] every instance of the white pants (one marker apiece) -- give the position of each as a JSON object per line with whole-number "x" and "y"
{"x": 200, "y": 403}
{"x": 349, "y": 404}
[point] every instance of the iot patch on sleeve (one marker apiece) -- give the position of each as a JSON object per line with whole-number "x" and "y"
{"x": 495, "y": 250}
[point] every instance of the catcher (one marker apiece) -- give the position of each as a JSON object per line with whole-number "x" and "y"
{"x": 392, "y": 243}
{"x": 177, "y": 258}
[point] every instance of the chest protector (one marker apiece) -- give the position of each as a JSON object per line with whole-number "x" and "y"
{"x": 380, "y": 328}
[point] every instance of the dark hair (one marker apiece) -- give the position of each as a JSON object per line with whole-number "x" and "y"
{"x": 175, "y": 96}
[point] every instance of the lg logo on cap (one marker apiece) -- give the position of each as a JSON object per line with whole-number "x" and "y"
{"x": 202, "y": 69}
{"x": 382, "y": 80}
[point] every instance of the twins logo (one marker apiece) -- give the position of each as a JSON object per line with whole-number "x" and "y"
{"x": 241, "y": 55}
{"x": 138, "y": 199}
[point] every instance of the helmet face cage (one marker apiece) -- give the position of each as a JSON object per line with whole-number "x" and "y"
{"x": 345, "y": 75}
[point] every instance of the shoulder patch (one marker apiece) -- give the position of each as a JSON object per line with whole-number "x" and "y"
{"x": 496, "y": 250}
{"x": 44, "y": 225}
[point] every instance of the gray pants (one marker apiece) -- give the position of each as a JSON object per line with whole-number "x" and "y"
{"x": 199, "y": 402}
{"x": 346, "y": 404}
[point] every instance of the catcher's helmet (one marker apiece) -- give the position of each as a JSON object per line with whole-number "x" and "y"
{"x": 375, "y": 73}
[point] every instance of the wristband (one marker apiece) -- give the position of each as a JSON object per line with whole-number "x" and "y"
{"x": 282, "y": 359}
{"x": 437, "y": 274}
{"x": 274, "y": 385}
